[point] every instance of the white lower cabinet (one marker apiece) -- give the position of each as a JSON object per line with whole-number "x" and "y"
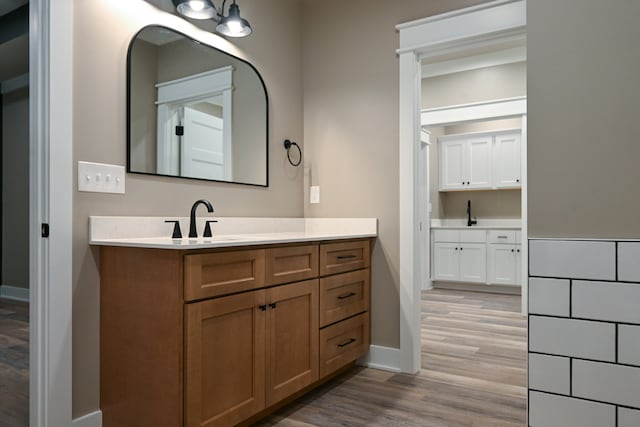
{"x": 473, "y": 262}
{"x": 446, "y": 261}
{"x": 477, "y": 256}
{"x": 504, "y": 264}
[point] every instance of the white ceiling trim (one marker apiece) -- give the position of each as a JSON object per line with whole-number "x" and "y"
{"x": 490, "y": 59}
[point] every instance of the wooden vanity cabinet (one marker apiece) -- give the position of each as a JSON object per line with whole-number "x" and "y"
{"x": 213, "y": 338}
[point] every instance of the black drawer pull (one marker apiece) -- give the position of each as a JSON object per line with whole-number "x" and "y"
{"x": 262, "y": 307}
{"x": 345, "y": 296}
{"x": 272, "y": 305}
{"x": 346, "y": 343}
{"x": 346, "y": 256}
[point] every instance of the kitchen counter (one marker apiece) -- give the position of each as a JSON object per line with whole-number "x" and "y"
{"x": 153, "y": 232}
{"x": 487, "y": 224}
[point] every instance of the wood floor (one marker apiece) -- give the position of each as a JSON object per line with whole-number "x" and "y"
{"x": 473, "y": 373}
{"x": 14, "y": 363}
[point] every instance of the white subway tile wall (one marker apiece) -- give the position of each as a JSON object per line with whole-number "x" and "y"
{"x": 628, "y": 265}
{"x": 550, "y": 410}
{"x": 550, "y": 373}
{"x": 629, "y": 345}
{"x": 584, "y": 333}
{"x": 549, "y": 296}
{"x": 628, "y": 417}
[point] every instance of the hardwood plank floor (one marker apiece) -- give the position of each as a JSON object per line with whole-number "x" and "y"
{"x": 473, "y": 373}
{"x": 14, "y": 363}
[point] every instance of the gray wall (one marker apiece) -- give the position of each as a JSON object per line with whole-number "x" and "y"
{"x": 101, "y": 36}
{"x": 583, "y": 112}
{"x": 144, "y": 122}
{"x": 15, "y": 189}
{"x": 351, "y": 126}
{"x": 502, "y": 81}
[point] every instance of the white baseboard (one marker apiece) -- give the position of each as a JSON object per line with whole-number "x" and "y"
{"x": 14, "y": 293}
{"x": 383, "y": 358}
{"x": 93, "y": 419}
{"x": 492, "y": 289}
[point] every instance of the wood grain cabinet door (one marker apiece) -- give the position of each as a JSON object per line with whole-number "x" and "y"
{"x": 342, "y": 257}
{"x": 213, "y": 274}
{"x": 291, "y": 264}
{"x": 225, "y": 359}
{"x": 292, "y": 338}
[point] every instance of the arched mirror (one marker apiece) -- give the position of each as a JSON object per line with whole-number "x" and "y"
{"x": 194, "y": 111}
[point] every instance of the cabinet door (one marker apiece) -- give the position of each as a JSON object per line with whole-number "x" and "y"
{"x": 225, "y": 359}
{"x": 502, "y": 264}
{"x": 292, "y": 338}
{"x": 473, "y": 262}
{"x": 518, "y": 280}
{"x": 479, "y": 162}
{"x": 445, "y": 261}
{"x": 452, "y": 165}
{"x": 507, "y": 161}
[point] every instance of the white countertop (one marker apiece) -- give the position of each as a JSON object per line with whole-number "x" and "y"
{"x": 153, "y": 232}
{"x": 486, "y": 224}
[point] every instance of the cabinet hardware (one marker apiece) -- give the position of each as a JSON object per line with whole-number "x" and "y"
{"x": 262, "y": 307}
{"x": 456, "y": 249}
{"x": 346, "y": 343}
{"x": 345, "y": 256}
{"x": 513, "y": 250}
{"x": 272, "y": 305}
{"x": 502, "y": 237}
{"x": 461, "y": 248}
{"x": 517, "y": 180}
{"x": 518, "y": 250}
{"x": 345, "y": 296}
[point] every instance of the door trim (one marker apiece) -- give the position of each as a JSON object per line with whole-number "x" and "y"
{"x": 50, "y": 173}
{"x": 479, "y": 25}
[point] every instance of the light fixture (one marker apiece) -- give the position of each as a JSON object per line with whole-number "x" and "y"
{"x": 232, "y": 25}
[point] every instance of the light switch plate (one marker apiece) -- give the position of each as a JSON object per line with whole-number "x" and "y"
{"x": 100, "y": 178}
{"x": 314, "y": 194}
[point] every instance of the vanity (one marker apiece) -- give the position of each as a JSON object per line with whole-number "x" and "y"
{"x": 221, "y": 331}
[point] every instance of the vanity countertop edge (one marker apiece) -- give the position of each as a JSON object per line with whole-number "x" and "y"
{"x": 152, "y": 232}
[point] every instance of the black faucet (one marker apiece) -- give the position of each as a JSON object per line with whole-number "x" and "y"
{"x": 192, "y": 223}
{"x": 470, "y": 221}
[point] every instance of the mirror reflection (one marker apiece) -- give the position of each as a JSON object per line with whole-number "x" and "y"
{"x": 194, "y": 111}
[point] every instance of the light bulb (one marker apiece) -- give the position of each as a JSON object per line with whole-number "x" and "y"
{"x": 196, "y": 5}
{"x": 235, "y": 26}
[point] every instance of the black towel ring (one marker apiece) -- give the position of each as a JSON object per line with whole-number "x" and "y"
{"x": 287, "y": 145}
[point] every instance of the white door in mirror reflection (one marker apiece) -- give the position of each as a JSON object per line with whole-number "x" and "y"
{"x": 204, "y": 154}
{"x": 199, "y": 105}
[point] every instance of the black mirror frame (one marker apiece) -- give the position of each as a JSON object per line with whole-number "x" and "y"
{"x": 128, "y": 110}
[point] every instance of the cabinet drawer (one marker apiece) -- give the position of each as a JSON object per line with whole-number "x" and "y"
{"x": 209, "y": 275}
{"x": 342, "y": 257}
{"x": 502, "y": 236}
{"x": 343, "y": 296}
{"x": 343, "y": 343}
{"x": 291, "y": 264}
{"x": 447, "y": 236}
{"x": 473, "y": 236}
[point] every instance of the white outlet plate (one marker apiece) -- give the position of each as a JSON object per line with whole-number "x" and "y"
{"x": 100, "y": 178}
{"x": 314, "y": 194}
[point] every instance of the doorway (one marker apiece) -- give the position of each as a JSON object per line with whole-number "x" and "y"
{"x": 14, "y": 215}
{"x": 482, "y": 25}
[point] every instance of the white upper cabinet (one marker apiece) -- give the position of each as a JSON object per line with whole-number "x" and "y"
{"x": 453, "y": 158}
{"x": 481, "y": 161}
{"x": 507, "y": 160}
